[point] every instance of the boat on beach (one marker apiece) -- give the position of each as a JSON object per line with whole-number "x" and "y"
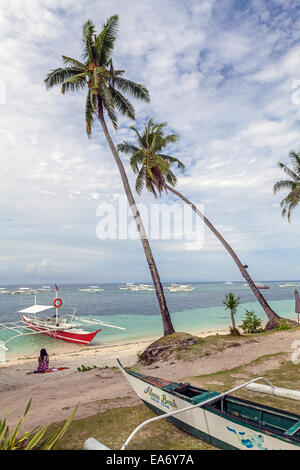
{"x": 220, "y": 419}
{"x": 68, "y": 327}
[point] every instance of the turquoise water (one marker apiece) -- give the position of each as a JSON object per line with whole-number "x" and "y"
{"x": 137, "y": 311}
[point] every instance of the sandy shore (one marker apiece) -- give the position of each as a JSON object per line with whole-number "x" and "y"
{"x": 53, "y": 395}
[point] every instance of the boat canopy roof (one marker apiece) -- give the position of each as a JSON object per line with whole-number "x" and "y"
{"x": 35, "y": 309}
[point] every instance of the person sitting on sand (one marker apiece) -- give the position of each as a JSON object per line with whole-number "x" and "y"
{"x": 43, "y": 361}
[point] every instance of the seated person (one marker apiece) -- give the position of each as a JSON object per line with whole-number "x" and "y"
{"x": 43, "y": 361}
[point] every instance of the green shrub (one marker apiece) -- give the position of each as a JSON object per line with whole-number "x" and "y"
{"x": 85, "y": 368}
{"x": 31, "y": 440}
{"x": 251, "y": 323}
{"x": 283, "y": 325}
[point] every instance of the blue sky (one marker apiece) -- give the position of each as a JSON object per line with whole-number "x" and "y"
{"x": 223, "y": 74}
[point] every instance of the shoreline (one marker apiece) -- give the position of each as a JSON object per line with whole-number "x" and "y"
{"x": 104, "y": 351}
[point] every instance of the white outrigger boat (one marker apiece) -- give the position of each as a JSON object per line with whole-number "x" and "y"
{"x": 181, "y": 288}
{"x": 68, "y": 327}
{"x": 92, "y": 289}
{"x": 221, "y": 419}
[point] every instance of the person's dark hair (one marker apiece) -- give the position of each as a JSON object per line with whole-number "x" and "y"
{"x": 43, "y": 354}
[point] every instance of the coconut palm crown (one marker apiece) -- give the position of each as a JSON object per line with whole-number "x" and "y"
{"x": 153, "y": 168}
{"x": 96, "y": 72}
{"x": 290, "y": 202}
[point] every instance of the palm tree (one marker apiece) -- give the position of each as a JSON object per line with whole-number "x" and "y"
{"x": 231, "y": 303}
{"x": 105, "y": 97}
{"x": 293, "y": 184}
{"x": 153, "y": 169}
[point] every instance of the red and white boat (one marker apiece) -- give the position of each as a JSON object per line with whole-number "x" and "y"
{"x": 259, "y": 285}
{"x": 56, "y": 327}
{"x": 67, "y": 327}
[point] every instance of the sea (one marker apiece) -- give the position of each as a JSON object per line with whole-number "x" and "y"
{"x": 137, "y": 311}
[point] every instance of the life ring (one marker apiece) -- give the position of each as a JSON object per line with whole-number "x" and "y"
{"x": 59, "y": 303}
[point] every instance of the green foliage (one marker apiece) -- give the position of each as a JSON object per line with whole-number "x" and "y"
{"x": 251, "y": 323}
{"x": 153, "y": 168}
{"x": 231, "y": 302}
{"x": 139, "y": 353}
{"x": 283, "y": 325}
{"x": 85, "y": 368}
{"x": 31, "y": 440}
{"x": 106, "y": 86}
{"x": 291, "y": 201}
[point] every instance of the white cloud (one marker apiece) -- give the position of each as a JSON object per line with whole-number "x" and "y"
{"x": 222, "y": 79}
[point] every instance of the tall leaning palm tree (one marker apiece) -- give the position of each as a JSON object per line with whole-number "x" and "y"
{"x": 106, "y": 90}
{"x": 153, "y": 169}
{"x": 291, "y": 201}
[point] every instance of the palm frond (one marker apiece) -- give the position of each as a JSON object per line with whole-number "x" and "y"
{"x": 127, "y": 147}
{"x": 89, "y": 114}
{"x": 60, "y": 75}
{"x": 122, "y": 104}
{"x": 140, "y": 180}
{"x": 171, "y": 178}
{"x": 284, "y": 184}
{"x": 89, "y": 51}
{"x": 172, "y": 160}
{"x": 69, "y": 62}
{"x": 136, "y": 160}
{"x": 75, "y": 83}
{"x": 288, "y": 171}
{"x": 105, "y": 41}
{"x": 133, "y": 89}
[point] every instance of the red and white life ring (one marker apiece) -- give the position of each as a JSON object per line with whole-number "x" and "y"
{"x": 59, "y": 301}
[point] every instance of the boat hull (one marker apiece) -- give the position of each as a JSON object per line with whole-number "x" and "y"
{"x": 207, "y": 424}
{"x": 71, "y": 337}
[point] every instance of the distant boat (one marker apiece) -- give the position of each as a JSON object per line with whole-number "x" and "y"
{"x": 259, "y": 285}
{"x": 132, "y": 286}
{"x": 287, "y": 285}
{"x": 23, "y": 291}
{"x": 92, "y": 289}
{"x": 181, "y": 288}
{"x": 45, "y": 289}
{"x": 3, "y": 290}
{"x": 228, "y": 282}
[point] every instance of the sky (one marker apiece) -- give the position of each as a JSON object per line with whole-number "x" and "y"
{"x": 224, "y": 75}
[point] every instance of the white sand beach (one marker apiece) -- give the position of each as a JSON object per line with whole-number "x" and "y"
{"x": 55, "y": 394}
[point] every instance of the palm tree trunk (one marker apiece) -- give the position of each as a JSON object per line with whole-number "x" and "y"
{"x": 232, "y": 319}
{"x": 274, "y": 319}
{"x": 167, "y": 322}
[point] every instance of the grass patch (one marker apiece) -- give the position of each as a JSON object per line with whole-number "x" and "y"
{"x": 113, "y": 427}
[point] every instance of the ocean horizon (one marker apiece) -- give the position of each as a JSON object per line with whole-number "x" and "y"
{"x": 138, "y": 312}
